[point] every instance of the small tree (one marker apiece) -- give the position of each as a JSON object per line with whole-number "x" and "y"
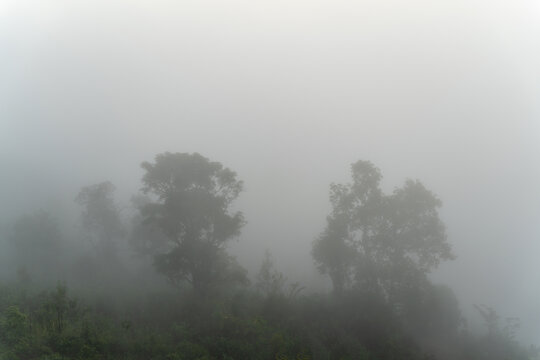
{"x": 379, "y": 242}
{"x": 192, "y": 204}
{"x": 269, "y": 280}
{"x": 101, "y": 218}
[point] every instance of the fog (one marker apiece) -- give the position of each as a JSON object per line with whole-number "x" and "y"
{"x": 288, "y": 94}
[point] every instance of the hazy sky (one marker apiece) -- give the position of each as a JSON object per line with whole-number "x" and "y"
{"x": 288, "y": 94}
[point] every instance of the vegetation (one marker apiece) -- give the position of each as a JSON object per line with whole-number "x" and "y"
{"x": 192, "y": 211}
{"x": 380, "y": 242}
{"x": 101, "y": 218}
{"x": 378, "y": 250}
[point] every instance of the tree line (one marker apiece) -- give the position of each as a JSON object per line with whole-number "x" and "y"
{"x": 377, "y": 249}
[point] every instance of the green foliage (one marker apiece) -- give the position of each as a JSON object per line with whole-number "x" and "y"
{"x": 358, "y": 325}
{"x": 56, "y": 309}
{"x": 14, "y": 328}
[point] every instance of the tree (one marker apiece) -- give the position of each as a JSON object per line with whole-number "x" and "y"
{"x": 334, "y": 253}
{"x": 101, "y": 218}
{"x": 192, "y": 204}
{"x": 38, "y": 244}
{"x": 145, "y": 238}
{"x": 270, "y": 282}
{"x": 379, "y": 242}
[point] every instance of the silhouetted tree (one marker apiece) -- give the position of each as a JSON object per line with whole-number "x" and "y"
{"x": 380, "y": 242}
{"x": 334, "y": 253}
{"x": 101, "y": 218}
{"x": 192, "y": 209}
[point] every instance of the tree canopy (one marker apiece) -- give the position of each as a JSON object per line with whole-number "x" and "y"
{"x": 376, "y": 241}
{"x": 191, "y": 207}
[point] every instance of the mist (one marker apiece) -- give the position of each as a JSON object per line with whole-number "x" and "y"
{"x": 289, "y": 94}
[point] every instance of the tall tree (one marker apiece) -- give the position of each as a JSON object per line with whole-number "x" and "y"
{"x": 334, "y": 253}
{"x": 193, "y": 196}
{"x": 380, "y": 242}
